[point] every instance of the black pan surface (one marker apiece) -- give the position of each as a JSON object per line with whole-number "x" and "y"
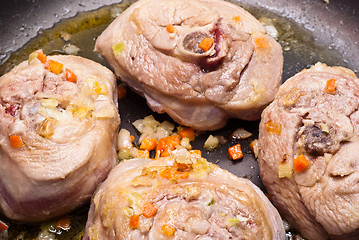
{"x": 310, "y": 31}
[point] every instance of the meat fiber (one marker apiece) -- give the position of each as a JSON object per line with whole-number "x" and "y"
{"x": 181, "y": 197}
{"x": 57, "y": 137}
{"x": 315, "y": 113}
{"x": 155, "y": 48}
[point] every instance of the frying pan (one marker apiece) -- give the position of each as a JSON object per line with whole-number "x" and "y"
{"x": 310, "y": 31}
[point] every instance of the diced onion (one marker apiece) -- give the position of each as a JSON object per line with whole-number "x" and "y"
{"x": 272, "y": 31}
{"x": 150, "y": 121}
{"x": 185, "y": 142}
{"x": 254, "y": 147}
{"x": 211, "y": 143}
{"x": 138, "y": 124}
{"x": 148, "y": 130}
{"x": 71, "y": 49}
{"x": 285, "y": 170}
{"x": 182, "y": 156}
{"x": 66, "y": 36}
{"x": 161, "y": 132}
{"x": 124, "y": 153}
{"x": 168, "y": 126}
{"x": 33, "y": 58}
{"x": 47, "y": 127}
{"x": 134, "y": 152}
{"x": 124, "y": 139}
{"x": 324, "y": 127}
{"x": 128, "y": 212}
{"x": 240, "y": 133}
{"x": 103, "y": 108}
{"x": 134, "y": 199}
{"x": 51, "y": 102}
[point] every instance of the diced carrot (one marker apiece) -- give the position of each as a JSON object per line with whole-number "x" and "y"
{"x": 261, "y": 43}
{"x": 3, "y": 226}
{"x": 15, "y": 141}
{"x": 70, "y": 76}
{"x": 121, "y": 92}
{"x": 168, "y": 230}
{"x": 132, "y": 138}
{"x": 166, "y": 173}
{"x": 54, "y": 67}
{"x": 64, "y": 223}
{"x": 206, "y": 44}
{"x": 148, "y": 210}
{"x": 134, "y": 221}
{"x": 169, "y": 173}
{"x": 41, "y": 56}
{"x": 183, "y": 166}
{"x": 180, "y": 175}
{"x": 166, "y": 153}
{"x": 166, "y": 145}
{"x": 236, "y": 18}
{"x": 196, "y": 152}
{"x": 170, "y": 28}
{"x": 186, "y": 132}
{"x": 273, "y": 127}
{"x": 173, "y": 141}
{"x": 300, "y": 163}
{"x": 162, "y": 144}
{"x": 235, "y": 152}
{"x": 331, "y": 86}
{"x": 291, "y": 97}
{"x": 148, "y": 144}
{"x": 143, "y": 154}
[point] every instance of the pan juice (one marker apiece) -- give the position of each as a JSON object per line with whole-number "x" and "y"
{"x": 81, "y": 31}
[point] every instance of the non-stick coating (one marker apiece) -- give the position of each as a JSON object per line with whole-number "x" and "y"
{"x": 334, "y": 25}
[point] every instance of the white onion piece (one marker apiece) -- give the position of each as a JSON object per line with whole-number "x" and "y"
{"x": 272, "y": 31}
{"x": 161, "y": 133}
{"x": 124, "y": 139}
{"x": 71, "y": 49}
{"x": 211, "y": 143}
{"x": 168, "y": 126}
{"x": 150, "y": 121}
{"x": 240, "y": 133}
{"x": 138, "y": 124}
{"x": 185, "y": 142}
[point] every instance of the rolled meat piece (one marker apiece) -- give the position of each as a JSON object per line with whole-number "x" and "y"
{"x": 308, "y": 152}
{"x": 180, "y": 197}
{"x": 200, "y": 61}
{"x": 58, "y": 124}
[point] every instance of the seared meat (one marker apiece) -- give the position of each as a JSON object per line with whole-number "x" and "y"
{"x": 314, "y": 120}
{"x": 201, "y": 61}
{"x": 57, "y": 137}
{"x": 181, "y": 197}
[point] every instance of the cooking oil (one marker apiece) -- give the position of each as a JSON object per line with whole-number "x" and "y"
{"x": 81, "y": 31}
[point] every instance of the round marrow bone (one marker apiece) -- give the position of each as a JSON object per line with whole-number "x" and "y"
{"x": 177, "y": 198}
{"x": 317, "y": 123}
{"x": 158, "y": 48}
{"x": 57, "y": 137}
